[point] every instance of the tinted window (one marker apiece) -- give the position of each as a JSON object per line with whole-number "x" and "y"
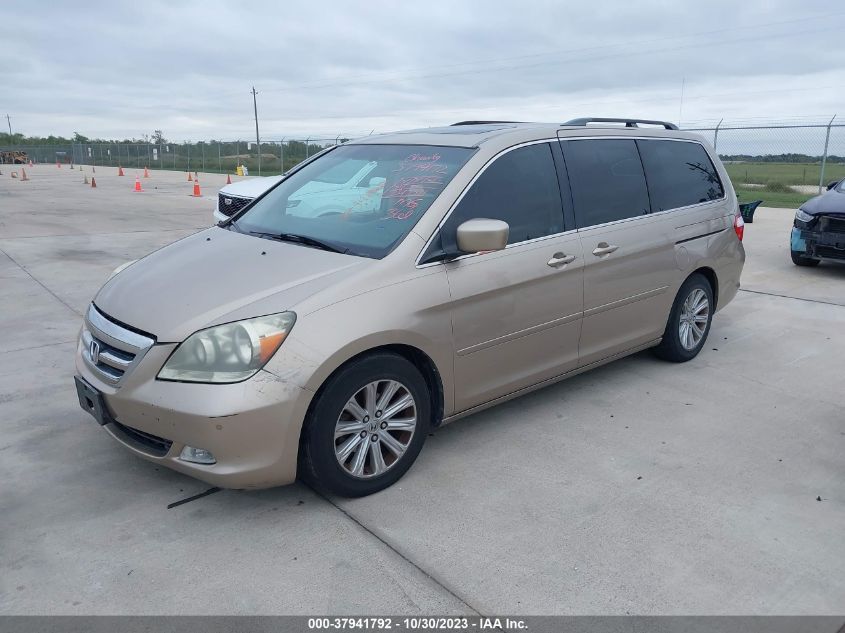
{"x": 607, "y": 180}
{"x": 521, "y": 188}
{"x": 679, "y": 174}
{"x": 365, "y": 216}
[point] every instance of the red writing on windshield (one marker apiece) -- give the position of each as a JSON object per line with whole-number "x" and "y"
{"x": 420, "y": 175}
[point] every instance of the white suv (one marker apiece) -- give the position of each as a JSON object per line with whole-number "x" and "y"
{"x": 347, "y": 186}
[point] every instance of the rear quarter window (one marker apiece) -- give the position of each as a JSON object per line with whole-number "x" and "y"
{"x": 679, "y": 174}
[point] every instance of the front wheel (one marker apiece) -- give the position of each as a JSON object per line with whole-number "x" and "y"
{"x": 689, "y": 322}
{"x": 367, "y": 426}
{"x": 799, "y": 260}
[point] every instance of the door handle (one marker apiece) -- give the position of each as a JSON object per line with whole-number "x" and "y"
{"x": 604, "y": 248}
{"x": 559, "y": 259}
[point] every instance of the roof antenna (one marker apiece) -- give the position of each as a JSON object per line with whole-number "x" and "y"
{"x": 681, "y": 107}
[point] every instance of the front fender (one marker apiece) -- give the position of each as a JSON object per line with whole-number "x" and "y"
{"x": 414, "y": 313}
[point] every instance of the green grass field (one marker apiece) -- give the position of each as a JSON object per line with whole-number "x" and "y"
{"x": 771, "y": 198}
{"x": 786, "y": 173}
{"x": 777, "y": 177}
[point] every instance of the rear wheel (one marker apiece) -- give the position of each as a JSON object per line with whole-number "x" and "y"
{"x": 367, "y": 426}
{"x": 800, "y": 260}
{"x": 689, "y": 321}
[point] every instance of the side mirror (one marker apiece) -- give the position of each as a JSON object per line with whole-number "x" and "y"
{"x": 482, "y": 234}
{"x": 831, "y": 185}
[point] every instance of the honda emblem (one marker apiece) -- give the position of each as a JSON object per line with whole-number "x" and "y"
{"x": 94, "y": 352}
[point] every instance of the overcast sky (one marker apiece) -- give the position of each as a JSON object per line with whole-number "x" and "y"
{"x": 326, "y": 67}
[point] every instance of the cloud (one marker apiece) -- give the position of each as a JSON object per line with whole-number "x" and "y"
{"x": 331, "y": 67}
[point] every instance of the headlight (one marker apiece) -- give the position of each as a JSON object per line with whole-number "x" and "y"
{"x": 228, "y": 353}
{"x": 801, "y": 216}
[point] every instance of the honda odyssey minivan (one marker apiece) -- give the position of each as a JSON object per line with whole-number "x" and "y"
{"x": 481, "y": 261}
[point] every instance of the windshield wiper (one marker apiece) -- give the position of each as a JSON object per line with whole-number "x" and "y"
{"x": 300, "y": 239}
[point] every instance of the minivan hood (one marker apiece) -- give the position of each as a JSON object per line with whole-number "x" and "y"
{"x": 217, "y": 276}
{"x": 251, "y": 188}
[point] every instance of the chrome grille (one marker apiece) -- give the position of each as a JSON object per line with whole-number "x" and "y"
{"x": 110, "y": 349}
{"x": 229, "y": 205}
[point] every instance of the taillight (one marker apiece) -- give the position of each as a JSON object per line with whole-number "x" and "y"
{"x": 739, "y": 225}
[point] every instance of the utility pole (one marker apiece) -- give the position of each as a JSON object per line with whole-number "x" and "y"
{"x": 257, "y": 139}
{"x": 824, "y": 156}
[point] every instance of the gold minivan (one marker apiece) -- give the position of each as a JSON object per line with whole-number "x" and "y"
{"x": 483, "y": 260}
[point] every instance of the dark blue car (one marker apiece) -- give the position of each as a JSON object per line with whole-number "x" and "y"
{"x": 818, "y": 232}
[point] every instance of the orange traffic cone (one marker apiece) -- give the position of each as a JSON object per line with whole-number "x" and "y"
{"x": 228, "y": 179}
{"x": 189, "y": 177}
{"x": 119, "y": 170}
{"x": 58, "y": 164}
{"x": 197, "y": 193}
{"x": 146, "y": 173}
{"x": 195, "y": 175}
{"x": 23, "y": 174}
{"x": 93, "y": 182}
{"x": 138, "y": 184}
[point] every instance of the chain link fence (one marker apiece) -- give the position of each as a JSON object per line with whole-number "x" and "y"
{"x": 782, "y": 163}
{"x": 273, "y": 157}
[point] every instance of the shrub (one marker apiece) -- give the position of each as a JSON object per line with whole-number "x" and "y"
{"x": 776, "y": 186}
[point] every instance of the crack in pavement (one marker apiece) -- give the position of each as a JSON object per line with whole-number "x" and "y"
{"x": 430, "y": 575}
{"x": 775, "y": 294}
{"x": 36, "y": 280}
{"x": 25, "y": 349}
{"x": 35, "y": 237}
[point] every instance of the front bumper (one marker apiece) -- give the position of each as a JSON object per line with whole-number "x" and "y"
{"x": 252, "y": 427}
{"x": 818, "y": 244}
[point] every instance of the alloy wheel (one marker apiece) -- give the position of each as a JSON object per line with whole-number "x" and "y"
{"x": 375, "y": 428}
{"x": 695, "y": 313}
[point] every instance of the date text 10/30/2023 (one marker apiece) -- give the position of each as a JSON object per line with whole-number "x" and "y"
{"x": 422, "y": 623}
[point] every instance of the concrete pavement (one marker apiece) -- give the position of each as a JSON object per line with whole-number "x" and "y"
{"x": 641, "y": 487}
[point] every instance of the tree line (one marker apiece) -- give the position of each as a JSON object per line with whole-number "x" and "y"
{"x": 779, "y": 158}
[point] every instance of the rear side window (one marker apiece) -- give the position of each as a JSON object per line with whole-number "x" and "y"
{"x": 607, "y": 180}
{"x": 520, "y": 188}
{"x": 679, "y": 174}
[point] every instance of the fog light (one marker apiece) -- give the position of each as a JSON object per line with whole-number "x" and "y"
{"x": 197, "y": 455}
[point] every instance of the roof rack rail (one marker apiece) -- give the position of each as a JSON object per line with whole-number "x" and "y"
{"x": 628, "y": 122}
{"x": 480, "y": 122}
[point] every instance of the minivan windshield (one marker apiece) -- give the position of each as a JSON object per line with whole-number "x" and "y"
{"x": 367, "y": 216}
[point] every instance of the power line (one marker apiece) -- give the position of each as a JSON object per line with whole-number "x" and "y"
{"x": 658, "y": 98}
{"x": 405, "y": 74}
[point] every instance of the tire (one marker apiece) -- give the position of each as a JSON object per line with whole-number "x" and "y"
{"x": 675, "y": 346}
{"x": 799, "y": 260}
{"x": 320, "y": 448}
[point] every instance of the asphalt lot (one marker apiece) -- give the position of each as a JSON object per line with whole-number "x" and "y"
{"x": 641, "y": 487}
